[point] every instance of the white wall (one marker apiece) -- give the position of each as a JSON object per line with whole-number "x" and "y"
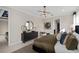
{"x": 16, "y": 20}
{"x": 3, "y": 27}
{"x": 39, "y": 24}
{"x": 65, "y": 22}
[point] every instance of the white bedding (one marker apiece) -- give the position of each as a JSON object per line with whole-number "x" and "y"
{"x": 62, "y": 49}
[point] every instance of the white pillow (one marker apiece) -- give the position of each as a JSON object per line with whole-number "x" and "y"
{"x": 59, "y": 36}
{"x": 76, "y": 35}
{"x": 65, "y": 39}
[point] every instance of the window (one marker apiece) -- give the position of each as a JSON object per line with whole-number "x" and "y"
{"x": 74, "y": 20}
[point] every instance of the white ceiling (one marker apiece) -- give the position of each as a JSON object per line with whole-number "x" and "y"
{"x": 54, "y": 10}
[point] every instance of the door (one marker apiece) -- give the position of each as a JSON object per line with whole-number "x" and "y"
{"x": 57, "y": 26}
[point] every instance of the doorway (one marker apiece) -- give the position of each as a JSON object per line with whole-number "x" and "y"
{"x": 3, "y": 28}
{"x": 57, "y": 25}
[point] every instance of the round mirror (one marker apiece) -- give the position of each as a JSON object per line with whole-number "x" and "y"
{"x": 29, "y": 25}
{"x": 47, "y": 25}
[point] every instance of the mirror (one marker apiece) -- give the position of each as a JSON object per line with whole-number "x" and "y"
{"x": 28, "y": 26}
{"x": 47, "y": 25}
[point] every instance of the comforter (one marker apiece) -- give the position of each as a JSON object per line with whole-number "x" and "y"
{"x": 45, "y": 44}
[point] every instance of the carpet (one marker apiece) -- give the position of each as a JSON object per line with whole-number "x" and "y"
{"x": 26, "y": 49}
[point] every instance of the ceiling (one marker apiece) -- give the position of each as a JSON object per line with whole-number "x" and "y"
{"x": 54, "y": 10}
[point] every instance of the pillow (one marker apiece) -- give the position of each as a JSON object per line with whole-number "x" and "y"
{"x": 71, "y": 42}
{"x": 63, "y": 37}
{"x": 67, "y": 36}
{"x": 76, "y": 35}
{"x": 59, "y": 36}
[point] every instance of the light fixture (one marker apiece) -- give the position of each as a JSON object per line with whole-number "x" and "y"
{"x": 44, "y": 12}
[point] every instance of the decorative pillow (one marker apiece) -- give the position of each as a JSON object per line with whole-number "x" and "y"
{"x": 76, "y": 35}
{"x": 67, "y": 36}
{"x": 71, "y": 42}
{"x": 59, "y": 36}
{"x": 63, "y": 37}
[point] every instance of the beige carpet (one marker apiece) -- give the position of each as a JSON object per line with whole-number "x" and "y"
{"x": 27, "y": 49}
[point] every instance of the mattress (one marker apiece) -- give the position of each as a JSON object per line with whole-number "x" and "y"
{"x": 62, "y": 49}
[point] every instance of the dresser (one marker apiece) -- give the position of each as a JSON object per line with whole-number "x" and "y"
{"x": 26, "y": 36}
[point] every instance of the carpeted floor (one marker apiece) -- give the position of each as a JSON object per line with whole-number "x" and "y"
{"x": 27, "y": 49}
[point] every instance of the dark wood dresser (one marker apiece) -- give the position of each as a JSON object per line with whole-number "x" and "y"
{"x": 25, "y": 36}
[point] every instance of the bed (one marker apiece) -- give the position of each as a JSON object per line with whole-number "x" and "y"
{"x": 62, "y": 49}
{"x": 51, "y": 43}
{"x": 45, "y": 44}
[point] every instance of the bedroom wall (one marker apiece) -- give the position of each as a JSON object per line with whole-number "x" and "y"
{"x": 38, "y": 24}
{"x": 65, "y": 22}
{"x": 48, "y": 20}
{"x": 16, "y": 20}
